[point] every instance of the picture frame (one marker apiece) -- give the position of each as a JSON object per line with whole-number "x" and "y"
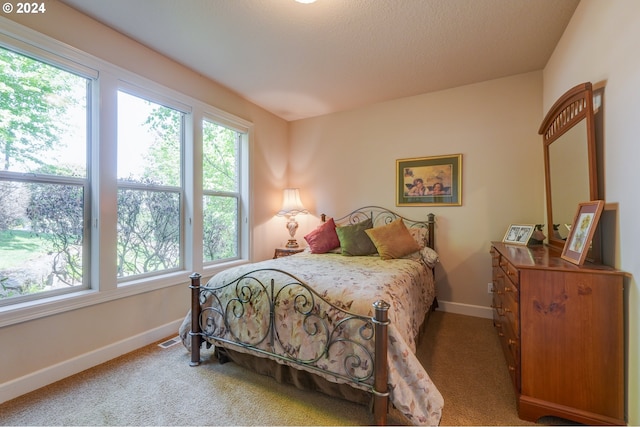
{"x": 583, "y": 228}
{"x": 429, "y": 181}
{"x": 518, "y": 234}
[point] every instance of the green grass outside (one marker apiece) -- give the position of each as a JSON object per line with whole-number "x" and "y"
{"x": 17, "y": 246}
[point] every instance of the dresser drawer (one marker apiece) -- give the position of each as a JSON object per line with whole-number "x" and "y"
{"x": 511, "y": 290}
{"x": 506, "y": 300}
{"x": 495, "y": 257}
{"x": 510, "y": 271}
{"x": 511, "y": 349}
{"x": 511, "y": 312}
{"x": 506, "y": 310}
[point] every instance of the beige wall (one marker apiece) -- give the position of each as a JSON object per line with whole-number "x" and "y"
{"x": 600, "y": 45}
{"x": 346, "y": 160}
{"x": 40, "y": 351}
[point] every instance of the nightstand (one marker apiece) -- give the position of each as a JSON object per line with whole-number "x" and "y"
{"x": 280, "y": 252}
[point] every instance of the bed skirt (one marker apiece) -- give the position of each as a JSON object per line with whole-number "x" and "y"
{"x": 303, "y": 380}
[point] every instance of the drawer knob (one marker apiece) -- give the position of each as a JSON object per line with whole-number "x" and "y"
{"x": 511, "y": 341}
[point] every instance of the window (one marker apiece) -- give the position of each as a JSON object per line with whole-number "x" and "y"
{"x": 107, "y": 179}
{"x": 221, "y": 191}
{"x": 43, "y": 178}
{"x": 150, "y": 139}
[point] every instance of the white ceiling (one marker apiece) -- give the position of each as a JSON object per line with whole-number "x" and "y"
{"x": 303, "y": 60}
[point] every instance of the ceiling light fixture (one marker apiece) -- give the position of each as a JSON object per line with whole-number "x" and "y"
{"x": 306, "y": 1}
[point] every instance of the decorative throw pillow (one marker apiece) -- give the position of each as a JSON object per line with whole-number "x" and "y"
{"x": 393, "y": 240}
{"x": 429, "y": 256}
{"x": 426, "y": 255}
{"x": 354, "y": 241}
{"x": 420, "y": 235}
{"x": 324, "y": 238}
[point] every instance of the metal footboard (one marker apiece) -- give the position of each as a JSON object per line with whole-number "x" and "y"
{"x": 271, "y": 312}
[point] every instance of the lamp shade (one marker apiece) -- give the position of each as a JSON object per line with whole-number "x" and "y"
{"x": 291, "y": 204}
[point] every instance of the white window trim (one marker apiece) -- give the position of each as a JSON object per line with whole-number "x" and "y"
{"x": 160, "y": 99}
{"x": 109, "y": 78}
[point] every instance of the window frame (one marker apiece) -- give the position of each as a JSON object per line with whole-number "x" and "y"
{"x": 30, "y": 178}
{"x": 43, "y": 56}
{"x": 185, "y": 110}
{"x": 242, "y": 135}
{"x": 245, "y": 128}
{"x": 107, "y": 79}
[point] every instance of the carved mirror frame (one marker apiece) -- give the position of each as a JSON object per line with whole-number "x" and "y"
{"x": 569, "y": 111}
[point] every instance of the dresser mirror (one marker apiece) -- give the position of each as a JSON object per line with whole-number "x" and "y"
{"x": 568, "y": 133}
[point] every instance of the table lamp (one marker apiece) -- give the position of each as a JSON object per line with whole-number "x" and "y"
{"x": 292, "y": 206}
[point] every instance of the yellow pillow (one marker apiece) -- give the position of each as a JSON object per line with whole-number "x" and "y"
{"x": 393, "y": 240}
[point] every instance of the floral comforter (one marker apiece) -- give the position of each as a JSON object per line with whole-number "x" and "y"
{"x": 352, "y": 284}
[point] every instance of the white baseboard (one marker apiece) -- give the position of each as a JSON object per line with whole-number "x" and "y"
{"x": 49, "y": 375}
{"x": 466, "y": 309}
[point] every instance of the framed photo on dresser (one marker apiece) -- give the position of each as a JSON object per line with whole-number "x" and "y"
{"x": 584, "y": 226}
{"x": 518, "y": 234}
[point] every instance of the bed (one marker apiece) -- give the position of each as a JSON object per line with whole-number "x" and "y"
{"x": 343, "y": 320}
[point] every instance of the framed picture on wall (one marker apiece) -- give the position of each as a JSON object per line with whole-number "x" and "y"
{"x": 584, "y": 226}
{"x": 429, "y": 181}
{"x": 518, "y": 234}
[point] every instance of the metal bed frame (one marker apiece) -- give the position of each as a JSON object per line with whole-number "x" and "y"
{"x": 365, "y": 352}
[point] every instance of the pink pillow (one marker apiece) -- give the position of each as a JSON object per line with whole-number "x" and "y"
{"x": 324, "y": 238}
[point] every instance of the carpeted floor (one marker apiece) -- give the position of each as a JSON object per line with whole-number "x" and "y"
{"x": 156, "y": 386}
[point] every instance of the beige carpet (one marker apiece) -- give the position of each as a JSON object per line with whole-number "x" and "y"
{"x": 155, "y": 386}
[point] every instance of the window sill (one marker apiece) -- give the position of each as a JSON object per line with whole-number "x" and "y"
{"x": 32, "y": 310}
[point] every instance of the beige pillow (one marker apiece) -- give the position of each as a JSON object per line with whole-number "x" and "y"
{"x": 393, "y": 240}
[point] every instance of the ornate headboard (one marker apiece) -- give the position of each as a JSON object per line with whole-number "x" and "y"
{"x": 382, "y": 216}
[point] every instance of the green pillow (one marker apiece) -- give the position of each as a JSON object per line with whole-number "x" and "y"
{"x": 354, "y": 241}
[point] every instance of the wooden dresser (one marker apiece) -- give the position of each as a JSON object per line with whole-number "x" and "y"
{"x": 561, "y": 329}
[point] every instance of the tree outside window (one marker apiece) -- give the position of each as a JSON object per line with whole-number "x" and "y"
{"x": 221, "y": 191}
{"x": 150, "y": 140}
{"x": 43, "y": 176}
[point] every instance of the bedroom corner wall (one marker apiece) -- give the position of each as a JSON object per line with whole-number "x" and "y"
{"x": 37, "y": 352}
{"x": 600, "y": 45}
{"x": 346, "y": 160}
